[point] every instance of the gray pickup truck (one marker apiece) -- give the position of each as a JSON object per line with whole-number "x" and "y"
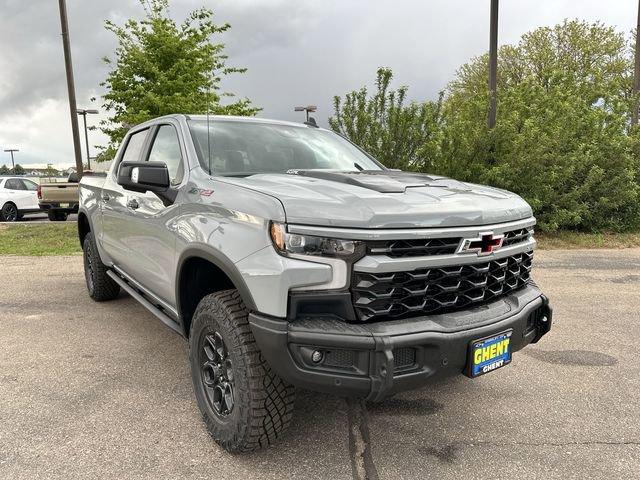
{"x": 287, "y": 256}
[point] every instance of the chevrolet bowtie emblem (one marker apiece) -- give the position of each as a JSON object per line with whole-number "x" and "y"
{"x": 484, "y": 244}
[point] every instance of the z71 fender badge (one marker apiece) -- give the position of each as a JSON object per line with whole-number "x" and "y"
{"x": 201, "y": 191}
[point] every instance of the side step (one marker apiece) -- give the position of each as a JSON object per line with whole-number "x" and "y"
{"x": 164, "y": 318}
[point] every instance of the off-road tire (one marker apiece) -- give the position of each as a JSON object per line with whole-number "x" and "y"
{"x": 101, "y": 287}
{"x": 56, "y": 216}
{"x": 263, "y": 402}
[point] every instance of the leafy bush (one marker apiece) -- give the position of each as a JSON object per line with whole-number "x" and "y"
{"x": 399, "y": 134}
{"x": 563, "y": 139}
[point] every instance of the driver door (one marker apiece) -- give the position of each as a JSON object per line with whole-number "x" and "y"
{"x": 148, "y": 236}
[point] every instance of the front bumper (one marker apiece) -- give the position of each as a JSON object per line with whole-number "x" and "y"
{"x": 374, "y": 360}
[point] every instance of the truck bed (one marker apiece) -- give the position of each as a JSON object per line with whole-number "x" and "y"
{"x": 59, "y": 193}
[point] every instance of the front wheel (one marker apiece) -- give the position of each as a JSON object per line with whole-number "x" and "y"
{"x": 245, "y": 405}
{"x": 9, "y": 212}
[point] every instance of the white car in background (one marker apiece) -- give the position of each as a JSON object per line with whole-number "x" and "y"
{"x": 18, "y": 196}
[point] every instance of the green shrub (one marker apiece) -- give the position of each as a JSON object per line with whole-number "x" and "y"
{"x": 562, "y": 140}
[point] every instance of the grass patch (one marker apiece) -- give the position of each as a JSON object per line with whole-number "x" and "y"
{"x": 574, "y": 240}
{"x": 41, "y": 239}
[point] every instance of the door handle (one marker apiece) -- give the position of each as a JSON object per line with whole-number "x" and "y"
{"x": 105, "y": 197}
{"x": 133, "y": 204}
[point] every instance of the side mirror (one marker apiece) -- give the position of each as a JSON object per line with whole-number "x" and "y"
{"x": 144, "y": 177}
{"x": 73, "y": 178}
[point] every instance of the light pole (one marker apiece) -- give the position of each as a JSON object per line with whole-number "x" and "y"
{"x": 71, "y": 88}
{"x": 13, "y": 164}
{"x": 84, "y": 112}
{"x": 307, "y": 109}
{"x": 493, "y": 64}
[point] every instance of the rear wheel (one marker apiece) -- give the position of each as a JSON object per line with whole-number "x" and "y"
{"x": 56, "y": 216}
{"x": 9, "y": 212}
{"x": 101, "y": 286}
{"x": 245, "y": 405}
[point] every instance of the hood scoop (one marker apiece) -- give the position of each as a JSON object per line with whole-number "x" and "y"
{"x": 383, "y": 181}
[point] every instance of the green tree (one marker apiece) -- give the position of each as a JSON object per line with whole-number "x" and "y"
{"x": 4, "y": 170}
{"x": 18, "y": 170}
{"x": 398, "y": 133}
{"x": 161, "y": 67}
{"x": 563, "y": 138}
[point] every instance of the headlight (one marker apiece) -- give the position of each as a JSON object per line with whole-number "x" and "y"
{"x": 293, "y": 243}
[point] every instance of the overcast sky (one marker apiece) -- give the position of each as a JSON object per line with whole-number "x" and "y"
{"x": 297, "y": 52}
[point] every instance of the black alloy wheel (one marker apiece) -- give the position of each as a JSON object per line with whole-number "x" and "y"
{"x": 9, "y": 212}
{"x": 217, "y": 374}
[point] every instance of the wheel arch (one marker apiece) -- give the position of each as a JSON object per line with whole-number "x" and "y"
{"x": 84, "y": 226}
{"x": 200, "y": 272}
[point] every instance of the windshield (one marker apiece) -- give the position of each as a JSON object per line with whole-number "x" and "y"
{"x": 246, "y": 148}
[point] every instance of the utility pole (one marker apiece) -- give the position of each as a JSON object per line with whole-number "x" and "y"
{"x": 636, "y": 74}
{"x": 64, "y": 24}
{"x": 13, "y": 164}
{"x": 493, "y": 64}
{"x": 84, "y": 112}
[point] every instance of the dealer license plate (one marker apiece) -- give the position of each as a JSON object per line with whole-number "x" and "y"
{"x": 489, "y": 354}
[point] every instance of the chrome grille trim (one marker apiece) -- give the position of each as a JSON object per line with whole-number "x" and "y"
{"x": 408, "y": 233}
{"x": 383, "y": 263}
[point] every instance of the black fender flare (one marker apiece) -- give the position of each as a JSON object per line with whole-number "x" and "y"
{"x": 83, "y": 212}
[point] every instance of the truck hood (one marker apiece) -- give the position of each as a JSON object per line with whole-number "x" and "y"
{"x": 385, "y": 199}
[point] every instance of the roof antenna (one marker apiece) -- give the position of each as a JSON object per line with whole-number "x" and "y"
{"x": 208, "y": 130}
{"x": 311, "y": 122}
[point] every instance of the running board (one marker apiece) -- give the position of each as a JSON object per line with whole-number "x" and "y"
{"x": 164, "y": 318}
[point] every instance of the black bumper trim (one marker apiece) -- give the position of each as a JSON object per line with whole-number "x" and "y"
{"x": 72, "y": 208}
{"x": 440, "y": 342}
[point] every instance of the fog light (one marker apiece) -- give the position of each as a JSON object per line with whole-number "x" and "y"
{"x": 316, "y": 356}
{"x": 544, "y": 319}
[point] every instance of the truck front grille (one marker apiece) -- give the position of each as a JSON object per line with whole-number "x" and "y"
{"x": 414, "y": 248}
{"x": 435, "y": 246}
{"x": 394, "y": 295}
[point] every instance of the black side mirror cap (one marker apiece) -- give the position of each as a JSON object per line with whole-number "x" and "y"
{"x": 144, "y": 177}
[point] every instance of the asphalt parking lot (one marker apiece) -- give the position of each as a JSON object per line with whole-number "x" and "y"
{"x": 35, "y": 218}
{"x": 103, "y": 391}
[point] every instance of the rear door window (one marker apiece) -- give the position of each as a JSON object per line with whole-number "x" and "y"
{"x": 15, "y": 184}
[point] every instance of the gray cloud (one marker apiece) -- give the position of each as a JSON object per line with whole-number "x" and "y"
{"x": 297, "y": 52}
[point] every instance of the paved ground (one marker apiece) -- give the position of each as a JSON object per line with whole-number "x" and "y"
{"x": 34, "y": 218}
{"x": 102, "y": 391}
